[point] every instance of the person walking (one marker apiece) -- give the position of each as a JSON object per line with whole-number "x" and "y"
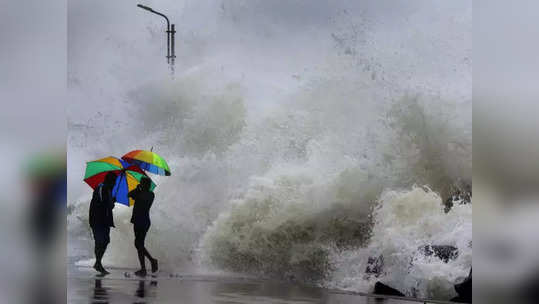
{"x": 101, "y": 218}
{"x": 140, "y": 218}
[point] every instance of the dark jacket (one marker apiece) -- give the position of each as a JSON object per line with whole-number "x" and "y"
{"x": 141, "y": 209}
{"x": 101, "y": 207}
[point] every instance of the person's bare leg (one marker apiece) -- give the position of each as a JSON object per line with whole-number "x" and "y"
{"x": 98, "y": 256}
{"x": 153, "y": 261}
{"x": 99, "y": 252}
{"x": 142, "y": 271}
{"x": 147, "y": 254}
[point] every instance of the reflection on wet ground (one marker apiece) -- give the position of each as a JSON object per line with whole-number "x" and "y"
{"x": 103, "y": 294}
{"x": 175, "y": 291}
{"x": 119, "y": 288}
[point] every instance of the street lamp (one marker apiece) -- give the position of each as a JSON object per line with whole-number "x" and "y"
{"x": 170, "y": 36}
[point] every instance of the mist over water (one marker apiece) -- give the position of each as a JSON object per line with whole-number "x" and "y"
{"x": 302, "y": 138}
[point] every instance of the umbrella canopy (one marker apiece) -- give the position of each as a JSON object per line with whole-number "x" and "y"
{"x": 149, "y": 161}
{"x": 127, "y": 177}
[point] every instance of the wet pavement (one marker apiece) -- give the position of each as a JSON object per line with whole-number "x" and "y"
{"x": 84, "y": 286}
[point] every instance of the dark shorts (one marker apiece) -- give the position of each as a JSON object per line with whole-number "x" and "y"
{"x": 101, "y": 235}
{"x": 140, "y": 234}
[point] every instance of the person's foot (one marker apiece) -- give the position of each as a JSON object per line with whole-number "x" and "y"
{"x": 154, "y": 265}
{"x": 104, "y": 271}
{"x": 141, "y": 273}
{"x": 98, "y": 267}
{"x": 101, "y": 269}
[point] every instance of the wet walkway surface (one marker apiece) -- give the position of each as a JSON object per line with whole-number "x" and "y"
{"x": 122, "y": 287}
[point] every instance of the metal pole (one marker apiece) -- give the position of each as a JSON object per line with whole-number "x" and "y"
{"x": 172, "y": 32}
{"x": 169, "y": 31}
{"x": 168, "y": 44}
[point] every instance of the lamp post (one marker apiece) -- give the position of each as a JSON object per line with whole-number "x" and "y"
{"x": 170, "y": 37}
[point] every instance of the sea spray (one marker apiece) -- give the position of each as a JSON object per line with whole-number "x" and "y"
{"x": 286, "y": 224}
{"x": 287, "y": 191}
{"x": 404, "y": 221}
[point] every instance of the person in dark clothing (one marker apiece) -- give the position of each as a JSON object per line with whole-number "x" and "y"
{"x": 101, "y": 218}
{"x": 141, "y": 222}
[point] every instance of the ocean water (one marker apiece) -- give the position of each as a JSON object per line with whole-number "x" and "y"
{"x": 298, "y": 150}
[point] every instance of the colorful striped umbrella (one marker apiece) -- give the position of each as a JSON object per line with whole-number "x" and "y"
{"x": 127, "y": 177}
{"x": 149, "y": 161}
